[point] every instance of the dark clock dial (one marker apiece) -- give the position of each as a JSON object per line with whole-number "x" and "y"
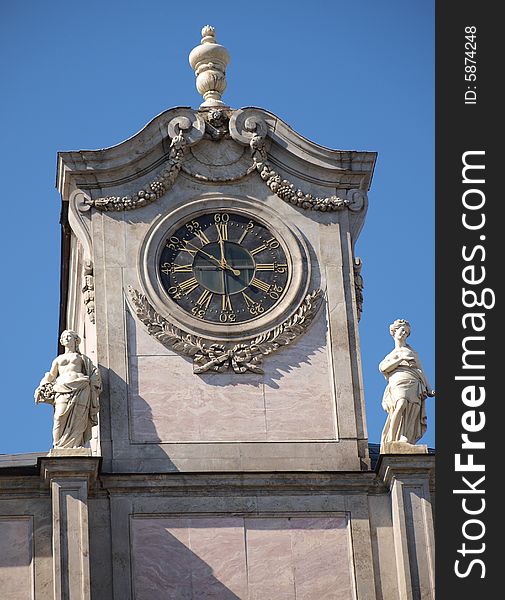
{"x": 224, "y": 267}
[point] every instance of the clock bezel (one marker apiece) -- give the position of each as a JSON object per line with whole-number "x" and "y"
{"x": 289, "y": 237}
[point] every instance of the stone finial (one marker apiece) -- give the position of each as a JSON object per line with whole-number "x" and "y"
{"x": 209, "y": 61}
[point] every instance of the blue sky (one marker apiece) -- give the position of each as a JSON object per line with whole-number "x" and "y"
{"x": 350, "y": 76}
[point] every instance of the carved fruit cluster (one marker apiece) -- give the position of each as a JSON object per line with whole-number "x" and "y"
{"x": 155, "y": 189}
{"x": 284, "y": 189}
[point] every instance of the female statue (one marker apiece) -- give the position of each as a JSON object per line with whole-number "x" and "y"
{"x": 406, "y": 391}
{"x": 72, "y": 385}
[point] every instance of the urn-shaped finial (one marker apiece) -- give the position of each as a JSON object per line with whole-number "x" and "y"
{"x": 209, "y": 61}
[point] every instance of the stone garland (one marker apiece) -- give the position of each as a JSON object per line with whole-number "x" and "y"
{"x": 284, "y": 189}
{"x": 358, "y": 285}
{"x": 242, "y": 358}
{"x": 155, "y": 189}
{"x": 88, "y": 290}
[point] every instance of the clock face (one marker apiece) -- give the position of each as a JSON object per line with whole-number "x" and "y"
{"x": 224, "y": 267}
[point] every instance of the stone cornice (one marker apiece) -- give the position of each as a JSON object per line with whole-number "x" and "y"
{"x": 241, "y": 483}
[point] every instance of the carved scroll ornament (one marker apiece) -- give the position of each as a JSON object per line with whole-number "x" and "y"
{"x": 241, "y": 358}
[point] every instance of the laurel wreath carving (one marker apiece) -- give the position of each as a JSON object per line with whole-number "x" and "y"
{"x": 243, "y": 357}
{"x": 289, "y": 193}
{"x": 153, "y": 190}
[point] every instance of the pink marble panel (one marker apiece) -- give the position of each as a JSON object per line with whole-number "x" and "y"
{"x": 300, "y": 405}
{"x": 161, "y": 564}
{"x": 219, "y": 544}
{"x": 321, "y": 559}
{"x": 16, "y": 558}
{"x": 269, "y": 564}
{"x": 170, "y": 403}
{"x": 236, "y": 558}
{"x": 179, "y": 559}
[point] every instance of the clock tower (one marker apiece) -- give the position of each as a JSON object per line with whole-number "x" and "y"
{"x": 209, "y": 271}
{"x": 225, "y": 318}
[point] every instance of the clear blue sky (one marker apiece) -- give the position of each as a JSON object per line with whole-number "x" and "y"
{"x": 86, "y": 75}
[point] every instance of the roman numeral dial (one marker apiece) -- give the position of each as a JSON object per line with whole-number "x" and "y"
{"x": 224, "y": 267}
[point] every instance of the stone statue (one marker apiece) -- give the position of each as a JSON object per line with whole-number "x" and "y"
{"x": 72, "y": 386}
{"x": 407, "y": 389}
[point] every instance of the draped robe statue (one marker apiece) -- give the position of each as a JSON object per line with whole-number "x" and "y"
{"x": 406, "y": 391}
{"x": 72, "y": 386}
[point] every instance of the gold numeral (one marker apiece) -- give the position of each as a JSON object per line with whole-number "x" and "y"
{"x": 261, "y": 285}
{"x": 277, "y": 267}
{"x": 189, "y": 285}
{"x": 202, "y": 237}
{"x": 227, "y": 317}
{"x": 226, "y": 302}
{"x": 247, "y": 229}
{"x": 259, "y": 249}
{"x": 222, "y": 231}
{"x": 181, "y": 268}
{"x": 186, "y": 249}
{"x": 205, "y": 299}
{"x": 253, "y": 307}
{"x": 275, "y": 291}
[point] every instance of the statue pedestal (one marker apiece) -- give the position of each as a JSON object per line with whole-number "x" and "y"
{"x": 403, "y": 448}
{"x": 407, "y": 479}
{"x": 70, "y": 473}
{"x": 70, "y": 452}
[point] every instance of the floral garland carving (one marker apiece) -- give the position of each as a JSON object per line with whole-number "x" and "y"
{"x": 286, "y": 191}
{"x": 242, "y": 358}
{"x": 358, "y": 285}
{"x": 155, "y": 189}
{"x": 88, "y": 290}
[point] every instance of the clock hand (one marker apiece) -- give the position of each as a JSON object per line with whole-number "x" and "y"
{"x": 203, "y": 252}
{"x": 223, "y": 264}
{"x": 223, "y": 261}
{"x": 221, "y": 248}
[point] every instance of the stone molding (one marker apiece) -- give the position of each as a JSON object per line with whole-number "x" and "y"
{"x": 390, "y": 466}
{"x": 52, "y": 467}
{"x": 262, "y": 484}
{"x": 242, "y": 357}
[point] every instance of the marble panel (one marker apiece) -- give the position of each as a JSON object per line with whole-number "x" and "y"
{"x": 140, "y": 343}
{"x": 215, "y": 407}
{"x": 241, "y": 558}
{"x": 161, "y": 560}
{"x": 194, "y": 559}
{"x": 299, "y": 399}
{"x": 218, "y": 543}
{"x": 16, "y": 558}
{"x": 269, "y": 564}
{"x": 321, "y": 558}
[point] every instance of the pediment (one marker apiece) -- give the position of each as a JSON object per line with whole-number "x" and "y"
{"x": 218, "y": 149}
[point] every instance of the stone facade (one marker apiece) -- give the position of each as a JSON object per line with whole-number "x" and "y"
{"x": 229, "y": 462}
{"x": 336, "y": 535}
